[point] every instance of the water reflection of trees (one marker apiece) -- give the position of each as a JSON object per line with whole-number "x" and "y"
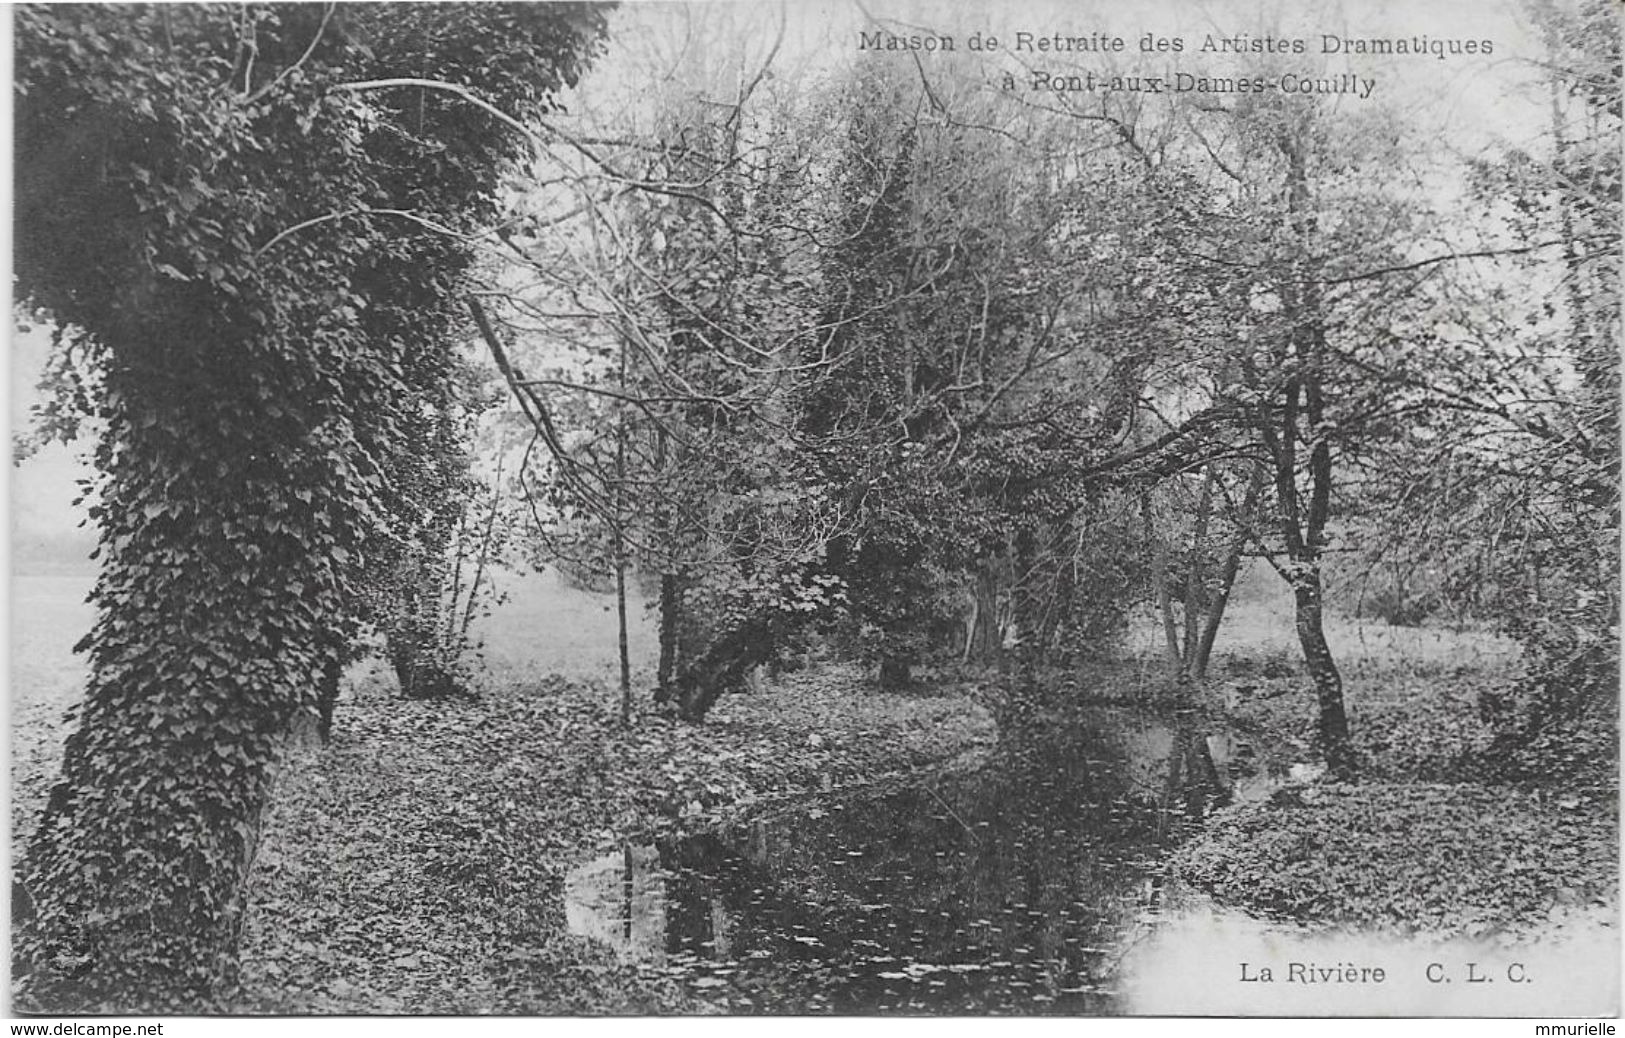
{"x": 1006, "y": 888}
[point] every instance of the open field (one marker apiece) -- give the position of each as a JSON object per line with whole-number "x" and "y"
{"x": 547, "y": 627}
{"x": 1259, "y": 625}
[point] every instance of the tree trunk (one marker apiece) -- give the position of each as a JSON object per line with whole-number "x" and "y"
{"x": 896, "y": 673}
{"x": 419, "y": 666}
{"x": 327, "y": 695}
{"x": 1304, "y": 516}
{"x": 1333, "y": 723}
{"x": 670, "y": 617}
{"x": 1195, "y": 591}
{"x": 619, "y": 523}
{"x": 402, "y": 660}
{"x": 1159, "y": 574}
{"x": 723, "y": 666}
{"x": 1228, "y": 571}
{"x": 984, "y": 642}
{"x": 403, "y": 640}
{"x": 136, "y": 872}
{"x": 1215, "y": 613}
{"x": 620, "y": 618}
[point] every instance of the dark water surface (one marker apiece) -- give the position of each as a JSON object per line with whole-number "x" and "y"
{"x": 1015, "y": 888}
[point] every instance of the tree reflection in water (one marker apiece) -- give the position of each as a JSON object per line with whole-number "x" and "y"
{"x": 1012, "y": 889}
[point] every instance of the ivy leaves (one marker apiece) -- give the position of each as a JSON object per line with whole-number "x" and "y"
{"x": 252, "y": 399}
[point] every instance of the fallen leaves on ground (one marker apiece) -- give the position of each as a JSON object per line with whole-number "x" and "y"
{"x": 416, "y": 864}
{"x": 1447, "y": 860}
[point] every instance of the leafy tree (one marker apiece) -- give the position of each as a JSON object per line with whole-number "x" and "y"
{"x": 1193, "y": 590}
{"x": 942, "y": 321}
{"x": 1542, "y": 406}
{"x": 431, "y": 578}
{"x": 671, "y": 273}
{"x": 245, "y": 208}
{"x": 1285, "y": 267}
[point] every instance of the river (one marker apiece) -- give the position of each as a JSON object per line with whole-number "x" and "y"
{"x": 1016, "y": 887}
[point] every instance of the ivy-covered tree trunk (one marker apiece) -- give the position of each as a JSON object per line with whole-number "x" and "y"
{"x": 327, "y": 692}
{"x": 1196, "y": 592}
{"x": 254, "y": 403}
{"x": 137, "y": 870}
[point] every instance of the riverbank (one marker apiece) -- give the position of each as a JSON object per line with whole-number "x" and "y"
{"x": 1431, "y": 840}
{"x": 416, "y": 865}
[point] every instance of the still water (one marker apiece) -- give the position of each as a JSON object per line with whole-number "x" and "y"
{"x": 1015, "y": 888}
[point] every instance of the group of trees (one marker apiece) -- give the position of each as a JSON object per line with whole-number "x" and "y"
{"x": 942, "y": 369}
{"x": 856, "y": 369}
{"x": 1017, "y": 349}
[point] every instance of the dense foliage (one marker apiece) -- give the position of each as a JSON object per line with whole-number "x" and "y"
{"x": 262, "y": 248}
{"x": 874, "y": 364}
